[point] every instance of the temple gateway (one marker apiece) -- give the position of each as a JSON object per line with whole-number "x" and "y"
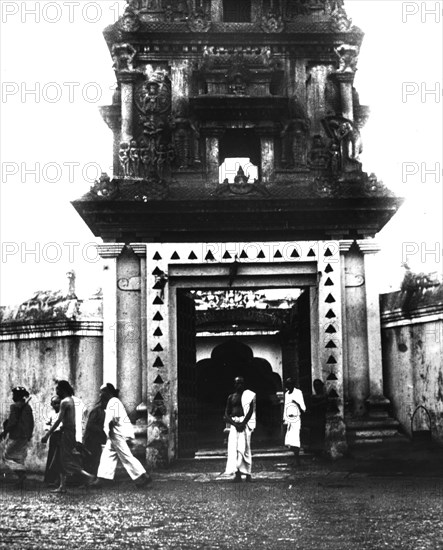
{"x": 236, "y": 173}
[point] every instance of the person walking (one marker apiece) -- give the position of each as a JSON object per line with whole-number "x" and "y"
{"x": 293, "y": 407}
{"x": 94, "y": 437}
{"x": 19, "y": 428}
{"x": 53, "y": 468}
{"x": 240, "y": 414}
{"x": 69, "y": 455}
{"x": 118, "y": 429}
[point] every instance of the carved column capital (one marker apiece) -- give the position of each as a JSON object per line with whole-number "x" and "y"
{"x": 345, "y": 245}
{"x": 368, "y": 246}
{"x": 139, "y": 249}
{"x": 110, "y": 250}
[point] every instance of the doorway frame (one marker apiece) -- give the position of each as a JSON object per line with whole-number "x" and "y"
{"x": 291, "y": 264}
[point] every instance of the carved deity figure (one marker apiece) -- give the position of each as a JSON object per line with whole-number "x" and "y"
{"x": 123, "y": 57}
{"x": 346, "y": 137}
{"x": 241, "y": 177}
{"x": 318, "y": 156}
{"x": 123, "y": 155}
{"x": 348, "y": 58}
{"x": 134, "y": 159}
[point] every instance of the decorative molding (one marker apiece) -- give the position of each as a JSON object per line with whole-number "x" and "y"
{"x": 368, "y": 246}
{"x": 345, "y": 245}
{"x": 59, "y": 329}
{"x": 110, "y": 250}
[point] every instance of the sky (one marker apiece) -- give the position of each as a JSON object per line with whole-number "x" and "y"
{"x": 56, "y": 71}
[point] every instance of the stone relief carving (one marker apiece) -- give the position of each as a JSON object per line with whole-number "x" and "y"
{"x": 133, "y": 283}
{"x": 346, "y": 143}
{"x": 272, "y": 23}
{"x": 339, "y": 19}
{"x": 123, "y": 56}
{"x": 318, "y": 156}
{"x": 294, "y": 134}
{"x": 104, "y": 188}
{"x": 129, "y": 21}
{"x": 353, "y": 280}
{"x": 198, "y": 22}
{"x": 348, "y": 58}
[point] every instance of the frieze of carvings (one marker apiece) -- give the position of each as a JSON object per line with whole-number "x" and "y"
{"x": 346, "y": 145}
{"x": 348, "y": 58}
{"x": 247, "y": 56}
{"x": 241, "y": 186}
{"x": 146, "y": 158}
{"x": 123, "y": 55}
{"x": 199, "y": 22}
{"x": 104, "y": 187}
{"x": 272, "y": 23}
{"x": 129, "y": 21}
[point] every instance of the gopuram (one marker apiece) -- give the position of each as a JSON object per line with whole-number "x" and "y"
{"x": 200, "y": 82}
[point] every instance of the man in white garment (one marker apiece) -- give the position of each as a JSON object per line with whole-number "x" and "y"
{"x": 294, "y": 406}
{"x": 240, "y": 414}
{"x": 118, "y": 429}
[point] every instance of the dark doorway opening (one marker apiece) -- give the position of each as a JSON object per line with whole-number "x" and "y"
{"x": 264, "y": 344}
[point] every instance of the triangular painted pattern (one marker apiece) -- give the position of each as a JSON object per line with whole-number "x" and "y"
{"x": 158, "y": 380}
{"x": 157, "y": 256}
{"x": 192, "y": 256}
{"x": 158, "y": 301}
{"x": 158, "y": 317}
{"x": 158, "y": 332}
{"x": 158, "y": 347}
{"x": 158, "y": 363}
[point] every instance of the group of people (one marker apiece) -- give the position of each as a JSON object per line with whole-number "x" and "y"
{"x": 91, "y": 455}
{"x": 240, "y": 414}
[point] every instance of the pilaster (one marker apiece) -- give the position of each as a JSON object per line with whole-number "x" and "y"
{"x": 377, "y": 402}
{"x": 346, "y": 81}
{"x": 110, "y": 252}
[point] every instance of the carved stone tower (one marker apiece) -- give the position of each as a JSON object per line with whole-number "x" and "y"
{"x": 202, "y": 81}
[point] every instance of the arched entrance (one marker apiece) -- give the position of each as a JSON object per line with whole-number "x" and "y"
{"x": 214, "y": 378}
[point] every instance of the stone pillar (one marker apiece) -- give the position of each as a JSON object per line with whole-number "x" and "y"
{"x": 127, "y": 100}
{"x": 377, "y": 402}
{"x": 346, "y": 81}
{"x": 267, "y": 158}
{"x": 110, "y": 252}
{"x": 212, "y": 158}
{"x": 345, "y": 246}
{"x": 129, "y": 329}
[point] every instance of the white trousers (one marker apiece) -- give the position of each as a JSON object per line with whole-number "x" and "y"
{"x": 117, "y": 448}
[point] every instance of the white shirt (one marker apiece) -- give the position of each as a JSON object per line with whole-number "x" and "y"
{"x": 81, "y": 414}
{"x": 293, "y": 400}
{"x": 116, "y": 412}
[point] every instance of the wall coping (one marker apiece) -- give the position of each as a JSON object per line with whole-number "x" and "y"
{"x": 51, "y": 329}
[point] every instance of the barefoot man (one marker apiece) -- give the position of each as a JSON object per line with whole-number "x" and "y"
{"x": 240, "y": 414}
{"x": 69, "y": 460}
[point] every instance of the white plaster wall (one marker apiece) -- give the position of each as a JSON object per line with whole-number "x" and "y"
{"x": 413, "y": 373}
{"x": 37, "y": 364}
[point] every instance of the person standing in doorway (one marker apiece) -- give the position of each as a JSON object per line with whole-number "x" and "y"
{"x": 293, "y": 407}
{"x": 118, "y": 429}
{"x": 240, "y": 414}
{"x": 18, "y": 427}
{"x": 69, "y": 456}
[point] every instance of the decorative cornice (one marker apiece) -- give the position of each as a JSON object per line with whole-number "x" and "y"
{"x": 368, "y": 246}
{"x": 110, "y": 250}
{"x": 139, "y": 249}
{"x": 345, "y": 245}
{"x": 58, "y": 329}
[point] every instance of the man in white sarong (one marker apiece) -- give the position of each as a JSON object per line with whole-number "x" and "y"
{"x": 240, "y": 414}
{"x": 294, "y": 406}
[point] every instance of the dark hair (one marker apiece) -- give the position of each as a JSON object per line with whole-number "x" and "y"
{"x": 19, "y": 392}
{"x": 65, "y": 387}
{"x": 111, "y": 389}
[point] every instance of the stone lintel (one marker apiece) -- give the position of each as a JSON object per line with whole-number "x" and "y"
{"x": 110, "y": 250}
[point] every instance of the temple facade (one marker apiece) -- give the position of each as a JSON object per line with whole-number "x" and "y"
{"x": 236, "y": 167}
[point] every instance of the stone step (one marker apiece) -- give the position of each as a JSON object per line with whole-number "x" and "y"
{"x": 371, "y": 434}
{"x": 371, "y": 423}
